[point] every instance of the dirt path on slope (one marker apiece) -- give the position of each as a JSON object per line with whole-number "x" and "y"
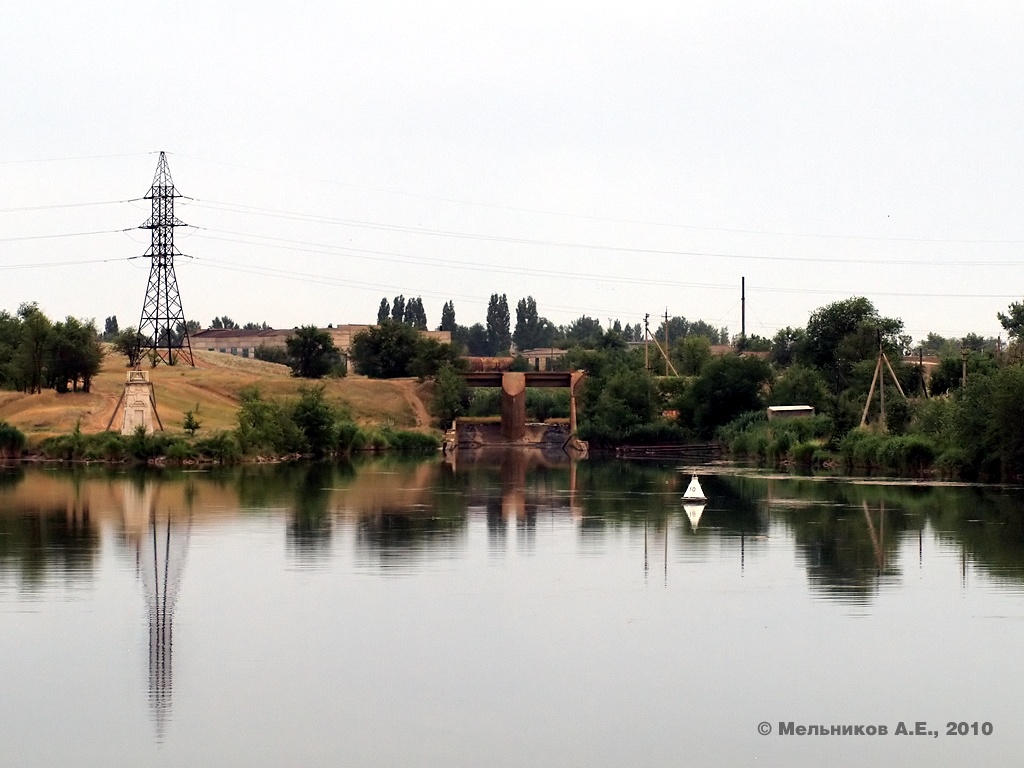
{"x": 412, "y": 391}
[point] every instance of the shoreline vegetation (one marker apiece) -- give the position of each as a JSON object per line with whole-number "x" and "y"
{"x": 960, "y": 415}
{"x": 267, "y": 430}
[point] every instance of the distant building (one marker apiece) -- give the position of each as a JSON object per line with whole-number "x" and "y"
{"x": 543, "y": 358}
{"x": 244, "y": 343}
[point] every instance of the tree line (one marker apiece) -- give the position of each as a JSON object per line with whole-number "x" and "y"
{"x": 969, "y": 427}
{"x": 37, "y": 353}
{"x": 497, "y": 336}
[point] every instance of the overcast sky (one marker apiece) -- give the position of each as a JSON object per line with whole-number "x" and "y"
{"x": 608, "y": 161}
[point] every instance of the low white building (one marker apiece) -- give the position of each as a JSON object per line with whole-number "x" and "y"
{"x": 790, "y": 412}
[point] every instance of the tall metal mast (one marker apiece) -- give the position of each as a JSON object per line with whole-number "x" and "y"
{"x": 162, "y": 327}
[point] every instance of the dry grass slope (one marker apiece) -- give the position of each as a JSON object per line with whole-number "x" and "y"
{"x": 211, "y": 391}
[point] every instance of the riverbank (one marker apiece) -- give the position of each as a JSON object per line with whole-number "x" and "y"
{"x": 241, "y": 410}
{"x": 212, "y": 391}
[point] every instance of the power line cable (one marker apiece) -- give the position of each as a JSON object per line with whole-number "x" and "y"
{"x": 405, "y": 229}
{"x": 64, "y": 234}
{"x": 67, "y": 205}
{"x": 399, "y": 258}
{"x": 634, "y": 222}
{"x": 44, "y": 265}
{"x": 80, "y": 157}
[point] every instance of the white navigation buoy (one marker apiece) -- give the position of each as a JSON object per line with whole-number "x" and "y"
{"x": 693, "y": 491}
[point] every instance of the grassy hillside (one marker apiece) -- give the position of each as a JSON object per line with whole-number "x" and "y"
{"x": 211, "y": 391}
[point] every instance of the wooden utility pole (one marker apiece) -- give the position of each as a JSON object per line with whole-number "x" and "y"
{"x": 649, "y": 338}
{"x": 879, "y": 379}
{"x": 666, "y": 341}
{"x": 881, "y": 403}
{"x": 963, "y": 365}
{"x": 920, "y": 370}
{"x": 647, "y": 341}
{"x": 743, "y": 313}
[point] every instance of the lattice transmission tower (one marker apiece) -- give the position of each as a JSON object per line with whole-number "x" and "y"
{"x": 163, "y": 330}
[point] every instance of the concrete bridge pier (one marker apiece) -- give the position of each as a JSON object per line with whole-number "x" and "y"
{"x": 513, "y": 406}
{"x": 574, "y": 379}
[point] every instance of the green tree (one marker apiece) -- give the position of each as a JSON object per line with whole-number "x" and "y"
{"x": 946, "y": 376}
{"x": 692, "y": 353}
{"x": 935, "y": 345}
{"x": 129, "y": 344}
{"x": 31, "y": 354}
{"x": 10, "y": 340}
{"x": 314, "y": 417}
{"x": 393, "y": 350}
{"x": 801, "y": 385}
{"x": 499, "y": 337}
{"x": 846, "y": 332}
{"x": 74, "y": 355}
{"x": 532, "y": 330}
{"x": 312, "y": 352}
{"x": 398, "y": 309}
{"x": 383, "y": 311}
{"x": 708, "y": 331}
{"x": 270, "y": 354}
{"x": 385, "y": 351}
{"x": 448, "y": 318}
{"x": 431, "y": 355}
{"x": 678, "y": 327}
{"x": 191, "y": 424}
{"x": 727, "y": 387}
{"x": 451, "y": 396}
{"x": 1008, "y": 420}
{"x": 415, "y": 314}
{"x": 224, "y": 323}
{"x": 619, "y": 403}
{"x": 110, "y": 328}
{"x": 474, "y": 339}
{"x": 584, "y": 331}
{"x": 787, "y": 345}
{"x": 1013, "y": 320}
{"x": 264, "y": 426}
{"x": 755, "y": 343}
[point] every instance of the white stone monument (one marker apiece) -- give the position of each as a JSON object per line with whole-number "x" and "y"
{"x": 139, "y": 403}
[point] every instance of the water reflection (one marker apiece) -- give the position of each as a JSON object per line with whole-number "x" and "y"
{"x": 693, "y": 514}
{"x": 851, "y": 538}
{"x": 309, "y": 524}
{"x": 429, "y": 600}
{"x": 159, "y": 536}
{"x": 46, "y": 538}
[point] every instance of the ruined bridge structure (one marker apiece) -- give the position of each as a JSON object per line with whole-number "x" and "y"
{"x": 514, "y": 428}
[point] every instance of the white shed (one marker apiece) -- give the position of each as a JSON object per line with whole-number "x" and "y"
{"x": 790, "y": 412}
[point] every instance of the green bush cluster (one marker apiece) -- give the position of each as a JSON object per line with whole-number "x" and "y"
{"x": 313, "y": 426}
{"x": 907, "y": 454}
{"x": 12, "y": 440}
{"x": 660, "y": 432}
{"x": 801, "y": 441}
{"x": 308, "y": 426}
{"x": 140, "y": 447}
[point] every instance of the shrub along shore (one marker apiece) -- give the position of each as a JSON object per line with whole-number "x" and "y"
{"x": 266, "y": 429}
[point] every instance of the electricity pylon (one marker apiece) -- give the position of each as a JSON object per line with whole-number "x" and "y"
{"x": 163, "y": 332}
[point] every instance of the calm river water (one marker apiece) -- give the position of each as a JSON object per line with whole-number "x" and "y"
{"x": 504, "y": 612}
